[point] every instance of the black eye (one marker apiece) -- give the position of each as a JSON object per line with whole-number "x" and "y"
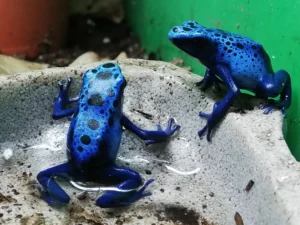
{"x": 175, "y": 29}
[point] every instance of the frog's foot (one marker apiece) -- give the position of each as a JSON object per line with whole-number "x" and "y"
{"x": 112, "y": 199}
{"x": 132, "y": 182}
{"x": 62, "y": 101}
{"x": 280, "y": 83}
{"x": 281, "y": 104}
{"x": 64, "y": 90}
{"x": 206, "y": 127}
{"x": 50, "y": 191}
{"x": 168, "y": 132}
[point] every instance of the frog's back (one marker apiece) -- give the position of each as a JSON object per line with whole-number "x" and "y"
{"x": 247, "y": 59}
{"x": 95, "y": 131}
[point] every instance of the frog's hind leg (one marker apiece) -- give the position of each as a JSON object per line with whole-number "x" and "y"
{"x": 127, "y": 179}
{"x": 51, "y": 192}
{"x": 280, "y": 84}
{"x": 62, "y": 101}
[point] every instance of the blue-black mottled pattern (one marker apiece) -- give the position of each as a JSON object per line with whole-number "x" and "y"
{"x": 237, "y": 61}
{"x": 94, "y": 137}
{"x": 95, "y": 130}
{"x": 247, "y": 59}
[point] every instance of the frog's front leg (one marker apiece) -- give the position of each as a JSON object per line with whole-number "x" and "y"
{"x": 152, "y": 137}
{"x": 129, "y": 179}
{"x": 208, "y": 80}
{"x": 62, "y": 101}
{"x": 220, "y": 108}
{"x": 51, "y": 192}
{"x": 280, "y": 83}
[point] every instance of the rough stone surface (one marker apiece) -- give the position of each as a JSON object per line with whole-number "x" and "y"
{"x": 247, "y": 146}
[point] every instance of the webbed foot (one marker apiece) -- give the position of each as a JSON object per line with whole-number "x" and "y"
{"x": 62, "y": 101}
{"x": 112, "y": 199}
{"x": 165, "y": 134}
{"x": 281, "y": 104}
{"x": 50, "y": 191}
{"x": 64, "y": 91}
{"x": 207, "y": 126}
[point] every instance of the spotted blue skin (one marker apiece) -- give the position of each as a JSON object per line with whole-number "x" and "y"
{"x": 94, "y": 138}
{"x": 235, "y": 60}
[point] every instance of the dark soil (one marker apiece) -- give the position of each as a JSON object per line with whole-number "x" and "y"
{"x": 92, "y": 33}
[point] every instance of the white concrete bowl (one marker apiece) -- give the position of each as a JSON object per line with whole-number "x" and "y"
{"x": 248, "y": 146}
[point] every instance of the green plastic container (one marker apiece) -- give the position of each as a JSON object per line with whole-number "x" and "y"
{"x": 273, "y": 23}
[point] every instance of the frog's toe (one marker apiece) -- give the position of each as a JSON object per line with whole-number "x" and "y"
{"x": 268, "y": 109}
{"x": 269, "y": 103}
{"x": 199, "y": 83}
{"x": 201, "y": 132}
{"x": 205, "y": 115}
{"x": 150, "y": 142}
{"x": 283, "y": 111}
{"x": 208, "y": 138}
{"x": 158, "y": 127}
{"x": 60, "y": 85}
{"x": 52, "y": 201}
{"x": 172, "y": 126}
{"x": 69, "y": 81}
{"x": 264, "y": 106}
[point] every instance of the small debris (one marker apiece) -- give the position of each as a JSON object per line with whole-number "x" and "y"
{"x": 177, "y": 62}
{"x": 8, "y": 153}
{"x": 183, "y": 172}
{"x": 6, "y": 198}
{"x": 211, "y": 194}
{"x": 146, "y": 115}
{"x": 238, "y": 219}
{"x": 78, "y": 215}
{"x": 178, "y": 215}
{"x": 36, "y": 218}
{"x": 249, "y": 185}
{"x": 81, "y": 196}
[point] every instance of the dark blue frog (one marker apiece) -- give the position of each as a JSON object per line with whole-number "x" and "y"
{"x": 94, "y": 138}
{"x": 235, "y": 60}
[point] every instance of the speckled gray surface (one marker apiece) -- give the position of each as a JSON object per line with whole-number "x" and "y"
{"x": 245, "y": 147}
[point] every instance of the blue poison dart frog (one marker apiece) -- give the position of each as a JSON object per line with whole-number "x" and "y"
{"x": 235, "y": 60}
{"x": 94, "y": 138}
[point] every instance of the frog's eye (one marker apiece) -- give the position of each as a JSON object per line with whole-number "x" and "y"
{"x": 175, "y": 29}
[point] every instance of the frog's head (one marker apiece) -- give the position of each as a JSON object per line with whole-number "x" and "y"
{"x": 107, "y": 74}
{"x": 192, "y": 38}
{"x": 107, "y": 79}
